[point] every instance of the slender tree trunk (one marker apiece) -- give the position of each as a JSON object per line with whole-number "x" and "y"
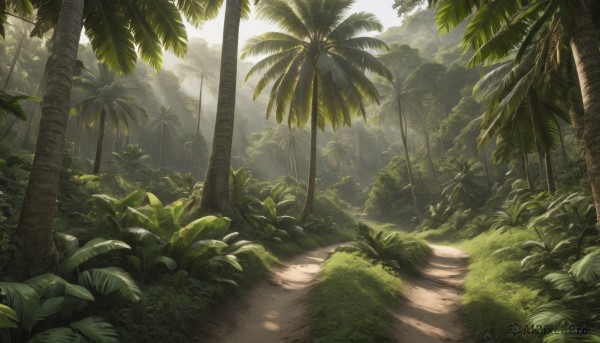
{"x": 485, "y": 166}
{"x": 562, "y": 145}
{"x": 100, "y": 144}
{"x": 526, "y": 170}
{"x": 403, "y": 134}
{"x": 215, "y": 193}
{"x": 162, "y": 142}
{"x": 549, "y": 173}
{"x": 312, "y": 170}
{"x": 37, "y": 214}
{"x": 197, "y": 140}
{"x": 357, "y": 154}
{"x": 429, "y": 157}
{"x": 15, "y": 59}
{"x": 584, "y": 45}
{"x": 295, "y": 158}
{"x": 78, "y": 136}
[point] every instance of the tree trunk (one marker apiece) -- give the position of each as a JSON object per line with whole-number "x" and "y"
{"x": 549, "y": 173}
{"x": 99, "y": 146}
{"x": 312, "y": 170}
{"x": 215, "y": 192}
{"x": 197, "y": 140}
{"x": 15, "y": 59}
{"x": 37, "y": 214}
{"x": 403, "y": 133}
{"x": 584, "y": 46}
{"x": 429, "y": 157}
{"x": 77, "y": 147}
{"x": 526, "y": 170}
{"x": 162, "y": 140}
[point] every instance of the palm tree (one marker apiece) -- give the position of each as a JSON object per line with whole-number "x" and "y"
{"x": 106, "y": 97}
{"x": 336, "y": 153}
{"x": 318, "y": 65}
{"x": 165, "y": 124}
{"x": 464, "y": 184}
{"x": 487, "y": 34}
{"x": 399, "y": 99}
{"x": 132, "y": 161}
{"x": 215, "y": 191}
{"x": 115, "y": 29}
{"x": 200, "y": 66}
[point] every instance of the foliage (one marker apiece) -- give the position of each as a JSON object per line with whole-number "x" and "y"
{"x": 389, "y": 249}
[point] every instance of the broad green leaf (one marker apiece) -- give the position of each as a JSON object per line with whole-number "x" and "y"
{"x": 96, "y": 330}
{"x": 8, "y": 317}
{"x": 111, "y": 281}
{"x": 92, "y": 249}
{"x": 24, "y": 300}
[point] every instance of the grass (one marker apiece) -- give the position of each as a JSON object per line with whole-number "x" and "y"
{"x": 353, "y": 299}
{"x": 497, "y": 294}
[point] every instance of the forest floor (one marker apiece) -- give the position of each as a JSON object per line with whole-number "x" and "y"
{"x": 431, "y": 312}
{"x": 277, "y": 309}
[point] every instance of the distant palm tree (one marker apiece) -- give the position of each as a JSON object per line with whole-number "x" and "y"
{"x": 165, "y": 124}
{"x": 318, "y": 66}
{"x": 336, "y": 153}
{"x": 106, "y": 97}
{"x": 399, "y": 100}
{"x": 198, "y": 65}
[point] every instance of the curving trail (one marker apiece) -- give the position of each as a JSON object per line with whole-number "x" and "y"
{"x": 277, "y": 310}
{"x": 431, "y": 313}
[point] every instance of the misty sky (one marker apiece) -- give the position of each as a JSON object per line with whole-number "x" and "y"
{"x": 213, "y": 31}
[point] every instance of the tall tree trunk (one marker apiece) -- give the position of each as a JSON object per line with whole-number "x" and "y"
{"x": 584, "y": 46}
{"x": 197, "y": 139}
{"x": 215, "y": 192}
{"x": 77, "y": 147}
{"x": 15, "y": 59}
{"x": 403, "y": 134}
{"x": 100, "y": 144}
{"x": 162, "y": 141}
{"x": 525, "y": 162}
{"x": 485, "y": 166}
{"x": 312, "y": 169}
{"x": 549, "y": 173}
{"x": 37, "y": 214}
{"x": 357, "y": 154}
{"x": 295, "y": 158}
{"x": 429, "y": 157}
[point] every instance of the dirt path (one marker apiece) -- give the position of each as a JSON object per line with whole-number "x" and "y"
{"x": 276, "y": 310}
{"x": 431, "y": 313}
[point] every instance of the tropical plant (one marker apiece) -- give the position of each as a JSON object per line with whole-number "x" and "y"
{"x": 574, "y": 299}
{"x": 319, "y": 63}
{"x": 10, "y": 104}
{"x": 269, "y": 224}
{"x": 205, "y": 249}
{"x": 465, "y": 183}
{"x": 388, "y": 248}
{"x": 131, "y": 162}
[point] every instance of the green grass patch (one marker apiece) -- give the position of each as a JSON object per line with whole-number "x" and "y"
{"x": 496, "y": 292}
{"x": 353, "y": 299}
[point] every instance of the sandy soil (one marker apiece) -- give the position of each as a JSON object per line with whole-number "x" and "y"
{"x": 431, "y": 312}
{"x": 277, "y": 310}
